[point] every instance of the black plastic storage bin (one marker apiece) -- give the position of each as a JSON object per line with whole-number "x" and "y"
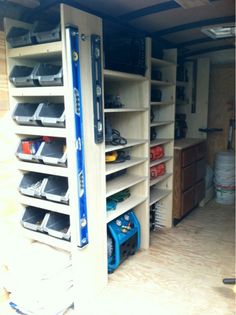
{"x": 48, "y": 74}
{"x": 44, "y": 32}
{"x": 26, "y": 114}
{"x": 32, "y": 184}
{"x": 58, "y": 225}
{"x": 34, "y": 218}
{"x": 51, "y": 114}
{"x": 18, "y": 37}
{"x": 53, "y": 152}
{"x": 33, "y": 146}
{"x": 56, "y": 189}
{"x": 22, "y": 76}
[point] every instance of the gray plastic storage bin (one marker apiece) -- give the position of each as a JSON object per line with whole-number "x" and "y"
{"x": 51, "y": 114}
{"x": 18, "y": 37}
{"x": 26, "y": 114}
{"x": 48, "y": 74}
{"x": 53, "y": 152}
{"x": 56, "y": 189}
{"x": 45, "y": 33}
{"x": 58, "y": 225}
{"x": 22, "y": 76}
{"x": 32, "y": 184}
{"x": 34, "y": 218}
{"x": 34, "y": 157}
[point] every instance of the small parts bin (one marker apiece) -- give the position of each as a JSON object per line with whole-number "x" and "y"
{"x": 26, "y": 114}
{"x": 51, "y": 114}
{"x": 46, "y": 114}
{"x": 28, "y": 149}
{"x": 58, "y": 225}
{"x": 53, "y": 152}
{"x": 48, "y": 74}
{"x": 56, "y": 189}
{"x": 18, "y": 37}
{"x": 32, "y": 184}
{"x": 41, "y": 74}
{"x": 34, "y": 218}
{"x": 22, "y": 76}
{"x": 44, "y": 32}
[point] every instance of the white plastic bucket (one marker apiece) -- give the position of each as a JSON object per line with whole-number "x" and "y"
{"x": 225, "y": 197}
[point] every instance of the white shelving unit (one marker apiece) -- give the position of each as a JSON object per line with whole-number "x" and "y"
{"x": 162, "y": 76}
{"x": 89, "y": 263}
{"x": 132, "y": 122}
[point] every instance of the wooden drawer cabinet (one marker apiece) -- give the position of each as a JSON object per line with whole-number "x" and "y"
{"x": 187, "y": 200}
{"x": 189, "y": 176}
{"x": 188, "y": 156}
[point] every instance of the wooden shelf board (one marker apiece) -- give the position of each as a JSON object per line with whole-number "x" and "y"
{"x": 122, "y": 182}
{"x": 161, "y": 83}
{"x": 117, "y": 75}
{"x": 41, "y": 131}
{"x": 48, "y": 51}
{"x": 162, "y": 63}
{"x": 161, "y": 123}
{"x": 159, "y": 179}
{"x": 161, "y": 103}
{"x": 153, "y": 143}
{"x": 37, "y": 91}
{"x": 158, "y": 194}
{"x": 122, "y": 207}
{"x": 47, "y": 239}
{"x": 42, "y": 168}
{"x": 44, "y": 204}
{"x": 124, "y": 110}
{"x": 159, "y": 161}
{"x": 112, "y": 168}
{"x": 130, "y": 143}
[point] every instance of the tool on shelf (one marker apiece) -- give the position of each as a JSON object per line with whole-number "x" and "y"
{"x": 157, "y": 170}
{"x": 113, "y": 136}
{"x": 157, "y": 152}
{"x": 117, "y": 198}
{"x": 124, "y": 233}
{"x": 97, "y": 87}
{"x": 113, "y": 101}
{"x": 72, "y": 42}
{"x": 117, "y": 157}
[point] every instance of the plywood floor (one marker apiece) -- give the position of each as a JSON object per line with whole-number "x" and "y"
{"x": 181, "y": 273}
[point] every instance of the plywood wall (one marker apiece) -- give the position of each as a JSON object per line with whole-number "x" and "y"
{"x": 4, "y": 104}
{"x": 221, "y": 107}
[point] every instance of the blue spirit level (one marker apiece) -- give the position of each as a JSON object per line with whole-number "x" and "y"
{"x": 72, "y": 37}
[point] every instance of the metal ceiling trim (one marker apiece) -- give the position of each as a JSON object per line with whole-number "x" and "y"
{"x": 197, "y": 42}
{"x": 204, "y": 51}
{"x": 192, "y": 25}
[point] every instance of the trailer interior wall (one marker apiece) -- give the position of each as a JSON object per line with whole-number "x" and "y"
{"x": 4, "y": 103}
{"x": 221, "y": 107}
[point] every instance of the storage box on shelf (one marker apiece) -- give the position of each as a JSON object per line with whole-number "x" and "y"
{"x": 162, "y": 76}
{"x": 126, "y": 116}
